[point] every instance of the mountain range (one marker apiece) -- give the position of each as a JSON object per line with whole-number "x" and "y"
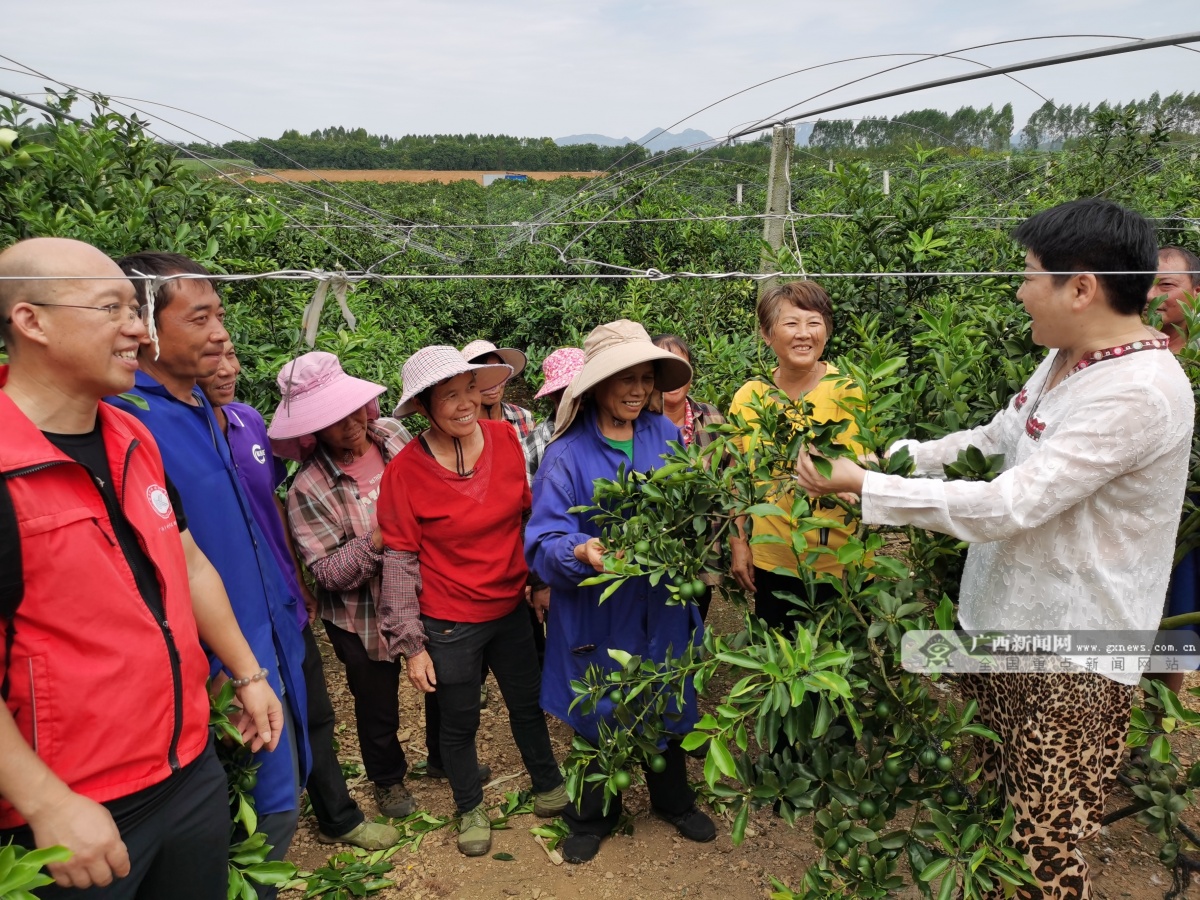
{"x": 666, "y": 141}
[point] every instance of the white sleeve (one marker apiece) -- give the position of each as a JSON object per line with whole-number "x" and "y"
{"x": 1108, "y": 437}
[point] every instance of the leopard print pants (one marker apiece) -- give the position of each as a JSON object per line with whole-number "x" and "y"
{"x": 1063, "y": 735}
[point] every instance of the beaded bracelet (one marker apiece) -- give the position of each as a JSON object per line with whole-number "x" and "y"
{"x": 242, "y": 682}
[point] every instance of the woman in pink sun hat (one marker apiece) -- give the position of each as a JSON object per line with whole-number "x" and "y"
{"x": 559, "y": 368}
{"x": 330, "y": 421}
{"x": 454, "y": 577}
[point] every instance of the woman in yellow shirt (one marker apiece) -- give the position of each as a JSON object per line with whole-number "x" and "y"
{"x": 795, "y": 320}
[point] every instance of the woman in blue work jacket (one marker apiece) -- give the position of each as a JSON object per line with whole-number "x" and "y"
{"x": 604, "y": 426}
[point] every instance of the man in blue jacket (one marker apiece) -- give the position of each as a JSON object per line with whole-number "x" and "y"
{"x": 189, "y": 344}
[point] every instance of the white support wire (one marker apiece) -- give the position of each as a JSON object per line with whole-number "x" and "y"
{"x": 301, "y": 275}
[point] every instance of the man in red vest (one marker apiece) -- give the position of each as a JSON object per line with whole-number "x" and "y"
{"x": 104, "y": 598}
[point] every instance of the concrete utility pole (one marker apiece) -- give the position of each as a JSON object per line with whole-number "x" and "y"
{"x": 779, "y": 196}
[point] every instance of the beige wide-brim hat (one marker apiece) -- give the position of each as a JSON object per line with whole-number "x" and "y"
{"x": 613, "y": 348}
{"x": 433, "y": 365}
{"x": 476, "y": 350}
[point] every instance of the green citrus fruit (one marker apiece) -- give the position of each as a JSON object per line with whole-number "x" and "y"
{"x": 658, "y": 763}
{"x": 928, "y": 757}
{"x": 841, "y": 846}
{"x": 642, "y": 547}
{"x": 698, "y": 587}
{"x": 621, "y": 780}
{"x": 894, "y": 766}
{"x": 867, "y": 808}
{"x": 616, "y": 696}
{"x": 883, "y": 709}
{"x": 951, "y": 797}
{"x": 686, "y": 592}
{"x": 945, "y": 763}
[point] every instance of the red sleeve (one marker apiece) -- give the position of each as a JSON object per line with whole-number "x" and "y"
{"x": 514, "y": 458}
{"x": 397, "y": 519}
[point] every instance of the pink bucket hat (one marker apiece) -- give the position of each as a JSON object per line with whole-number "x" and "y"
{"x": 476, "y": 350}
{"x": 433, "y": 365}
{"x": 316, "y": 393}
{"x": 559, "y": 368}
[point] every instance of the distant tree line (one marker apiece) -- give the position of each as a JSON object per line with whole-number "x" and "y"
{"x": 354, "y": 148}
{"x": 1053, "y": 127}
{"x": 1050, "y": 127}
{"x": 988, "y": 128}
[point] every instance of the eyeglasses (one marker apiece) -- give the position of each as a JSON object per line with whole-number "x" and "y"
{"x": 132, "y": 312}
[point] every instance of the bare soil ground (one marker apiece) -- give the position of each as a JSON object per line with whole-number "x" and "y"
{"x": 653, "y": 862}
{"x": 413, "y": 175}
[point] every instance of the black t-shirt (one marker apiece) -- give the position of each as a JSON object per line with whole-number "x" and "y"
{"x": 88, "y": 450}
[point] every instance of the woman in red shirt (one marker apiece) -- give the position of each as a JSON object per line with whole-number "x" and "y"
{"x": 451, "y": 509}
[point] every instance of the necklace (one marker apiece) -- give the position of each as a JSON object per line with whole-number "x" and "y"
{"x": 460, "y": 463}
{"x": 1034, "y": 426}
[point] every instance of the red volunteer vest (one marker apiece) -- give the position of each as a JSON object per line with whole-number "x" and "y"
{"x": 112, "y": 700}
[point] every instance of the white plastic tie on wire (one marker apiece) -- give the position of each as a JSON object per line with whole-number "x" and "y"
{"x": 311, "y": 322}
{"x": 152, "y": 284}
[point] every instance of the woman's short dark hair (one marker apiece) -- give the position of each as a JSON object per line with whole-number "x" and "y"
{"x": 425, "y": 397}
{"x": 672, "y": 342}
{"x": 1096, "y": 236}
{"x": 806, "y": 295}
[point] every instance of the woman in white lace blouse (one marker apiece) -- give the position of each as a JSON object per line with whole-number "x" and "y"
{"x": 1078, "y": 531}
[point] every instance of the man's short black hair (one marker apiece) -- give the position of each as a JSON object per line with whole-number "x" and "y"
{"x": 152, "y": 263}
{"x": 1096, "y": 236}
{"x": 1191, "y": 262}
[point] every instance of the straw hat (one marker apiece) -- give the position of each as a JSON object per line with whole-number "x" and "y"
{"x": 433, "y": 365}
{"x": 613, "y": 348}
{"x": 560, "y": 369}
{"x": 316, "y": 393}
{"x": 476, "y": 350}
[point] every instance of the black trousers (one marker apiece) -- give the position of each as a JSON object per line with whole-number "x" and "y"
{"x": 457, "y": 650}
{"x": 670, "y": 795}
{"x": 180, "y": 850}
{"x": 777, "y": 611}
{"x": 375, "y": 685}
{"x": 336, "y": 811}
{"x": 704, "y": 601}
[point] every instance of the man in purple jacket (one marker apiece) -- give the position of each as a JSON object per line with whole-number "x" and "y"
{"x": 338, "y": 816}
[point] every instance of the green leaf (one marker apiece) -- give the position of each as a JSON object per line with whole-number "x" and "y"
{"x": 946, "y": 891}
{"x": 619, "y": 656}
{"x": 1160, "y": 750}
{"x": 738, "y": 833}
{"x": 503, "y": 857}
{"x": 274, "y": 872}
{"x": 135, "y": 400}
{"x": 934, "y": 869}
{"x": 719, "y": 753}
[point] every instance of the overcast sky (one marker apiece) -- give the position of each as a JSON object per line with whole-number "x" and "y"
{"x": 556, "y": 67}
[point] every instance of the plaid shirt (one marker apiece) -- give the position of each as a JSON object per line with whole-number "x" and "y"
{"x": 518, "y": 417}
{"x": 702, "y": 414}
{"x": 333, "y": 536}
{"x": 534, "y": 445}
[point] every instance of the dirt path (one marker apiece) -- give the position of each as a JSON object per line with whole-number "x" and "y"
{"x": 653, "y": 862}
